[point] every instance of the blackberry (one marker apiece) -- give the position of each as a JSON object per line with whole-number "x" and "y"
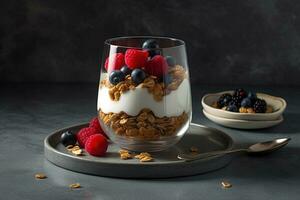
{"x": 236, "y": 100}
{"x": 241, "y": 93}
{"x": 224, "y": 100}
{"x": 260, "y": 106}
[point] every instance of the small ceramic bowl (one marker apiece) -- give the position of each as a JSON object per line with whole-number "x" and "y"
{"x": 278, "y": 104}
{"x": 242, "y": 124}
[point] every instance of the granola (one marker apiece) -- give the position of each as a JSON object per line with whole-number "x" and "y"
{"x": 144, "y": 157}
{"x": 226, "y": 184}
{"x": 75, "y": 185}
{"x": 75, "y": 149}
{"x": 145, "y": 125}
{"x": 125, "y": 155}
{"x": 154, "y": 86}
{"x": 40, "y": 176}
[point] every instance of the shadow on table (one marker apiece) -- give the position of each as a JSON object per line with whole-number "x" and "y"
{"x": 290, "y": 125}
{"x": 280, "y": 165}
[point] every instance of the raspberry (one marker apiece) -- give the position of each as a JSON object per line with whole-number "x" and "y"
{"x": 96, "y": 145}
{"x": 136, "y": 58}
{"x": 95, "y": 124}
{"x": 157, "y": 66}
{"x": 114, "y": 62}
{"x": 83, "y": 135}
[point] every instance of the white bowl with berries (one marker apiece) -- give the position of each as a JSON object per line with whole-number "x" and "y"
{"x": 244, "y": 105}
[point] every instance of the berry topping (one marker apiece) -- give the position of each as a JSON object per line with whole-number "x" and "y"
{"x": 170, "y": 60}
{"x": 83, "y": 135}
{"x": 246, "y": 102}
{"x": 68, "y": 138}
{"x": 135, "y": 58}
{"x": 95, "y": 124}
{"x": 224, "y": 100}
{"x": 126, "y": 70}
{"x": 151, "y": 45}
{"x": 114, "y": 62}
{"x": 138, "y": 76}
{"x": 116, "y": 77}
{"x": 260, "y": 106}
{"x": 96, "y": 145}
{"x": 157, "y": 66}
{"x": 232, "y": 108}
{"x": 240, "y": 93}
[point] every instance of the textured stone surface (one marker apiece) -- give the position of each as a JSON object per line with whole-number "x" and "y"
{"x": 228, "y": 42}
{"x": 30, "y": 112}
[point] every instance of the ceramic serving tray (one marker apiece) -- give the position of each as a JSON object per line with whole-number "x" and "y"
{"x": 165, "y": 164}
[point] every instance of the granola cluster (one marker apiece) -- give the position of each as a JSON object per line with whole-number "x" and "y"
{"x": 145, "y": 125}
{"x": 143, "y": 157}
{"x": 157, "y": 88}
{"x": 75, "y": 149}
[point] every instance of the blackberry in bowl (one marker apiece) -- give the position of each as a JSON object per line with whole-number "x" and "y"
{"x": 254, "y": 106}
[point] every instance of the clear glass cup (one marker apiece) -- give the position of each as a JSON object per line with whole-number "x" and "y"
{"x": 144, "y": 97}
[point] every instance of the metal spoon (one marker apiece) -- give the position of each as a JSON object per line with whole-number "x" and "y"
{"x": 258, "y": 148}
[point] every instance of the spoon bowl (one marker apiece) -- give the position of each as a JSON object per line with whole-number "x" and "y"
{"x": 268, "y": 146}
{"x": 255, "y": 149}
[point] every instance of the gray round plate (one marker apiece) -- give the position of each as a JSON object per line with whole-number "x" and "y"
{"x": 165, "y": 164}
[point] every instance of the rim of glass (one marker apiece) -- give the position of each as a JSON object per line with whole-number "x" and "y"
{"x": 110, "y": 40}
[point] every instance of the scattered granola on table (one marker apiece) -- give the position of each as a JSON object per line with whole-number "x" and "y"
{"x": 194, "y": 149}
{"x": 75, "y": 186}
{"x": 226, "y": 184}
{"x": 40, "y": 176}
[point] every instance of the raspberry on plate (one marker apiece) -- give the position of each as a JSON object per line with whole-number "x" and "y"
{"x": 114, "y": 62}
{"x": 135, "y": 58}
{"x": 157, "y": 66}
{"x": 96, "y": 145}
{"x": 95, "y": 124}
{"x": 83, "y": 135}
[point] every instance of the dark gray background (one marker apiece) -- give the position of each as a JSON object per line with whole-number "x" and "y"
{"x": 253, "y": 42}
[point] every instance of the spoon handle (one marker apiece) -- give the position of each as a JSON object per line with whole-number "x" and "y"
{"x": 190, "y": 157}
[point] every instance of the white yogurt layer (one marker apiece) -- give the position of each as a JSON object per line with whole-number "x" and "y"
{"x": 133, "y": 101}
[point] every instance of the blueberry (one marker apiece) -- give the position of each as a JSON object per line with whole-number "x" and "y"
{"x": 116, "y": 77}
{"x": 138, "y": 76}
{"x": 232, "y": 108}
{"x": 252, "y": 96}
{"x": 170, "y": 60}
{"x": 68, "y": 138}
{"x": 126, "y": 70}
{"x": 246, "y": 102}
{"x": 167, "y": 79}
{"x": 151, "y": 45}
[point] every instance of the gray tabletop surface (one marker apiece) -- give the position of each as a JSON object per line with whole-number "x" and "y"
{"x": 28, "y": 113}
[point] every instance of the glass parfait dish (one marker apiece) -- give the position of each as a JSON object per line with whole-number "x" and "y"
{"x": 144, "y": 97}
